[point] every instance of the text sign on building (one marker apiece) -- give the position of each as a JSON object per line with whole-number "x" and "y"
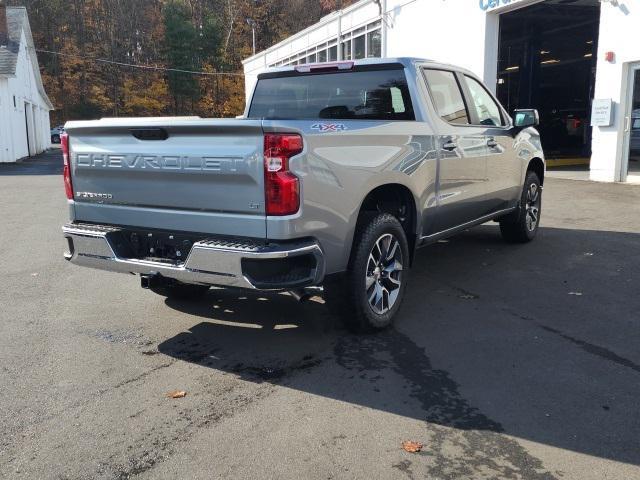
{"x": 491, "y": 4}
{"x": 602, "y": 112}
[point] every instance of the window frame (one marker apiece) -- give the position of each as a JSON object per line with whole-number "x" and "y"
{"x": 423, "y": 69}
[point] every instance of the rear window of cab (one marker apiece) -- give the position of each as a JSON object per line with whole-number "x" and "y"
{"x": 342, "y": 95}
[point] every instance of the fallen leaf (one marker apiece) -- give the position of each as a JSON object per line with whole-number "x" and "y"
{"x": 412, "y": 447}
{"x": 177, "y": 394}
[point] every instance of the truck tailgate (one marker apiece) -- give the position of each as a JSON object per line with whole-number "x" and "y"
{"x": 184, "y": 174}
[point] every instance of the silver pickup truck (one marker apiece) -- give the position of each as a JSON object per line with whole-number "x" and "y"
{"x": 335, "y": 176}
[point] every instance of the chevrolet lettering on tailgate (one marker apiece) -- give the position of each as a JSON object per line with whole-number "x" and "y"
{"x": 160, "y": 162}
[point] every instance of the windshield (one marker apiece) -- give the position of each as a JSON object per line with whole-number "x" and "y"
{"x": 357, "y": 95}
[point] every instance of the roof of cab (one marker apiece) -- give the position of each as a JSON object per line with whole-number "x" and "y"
{"x": 407, "y": 62}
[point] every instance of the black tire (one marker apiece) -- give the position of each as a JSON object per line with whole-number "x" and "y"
{"x": 180, "y": 291}
{"x": 55, "y": 138}
{"x": 369, "y": 294}
{"x": 522, "y": 226}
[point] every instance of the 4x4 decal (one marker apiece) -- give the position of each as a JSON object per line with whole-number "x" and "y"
{"x": 329, "y": 127}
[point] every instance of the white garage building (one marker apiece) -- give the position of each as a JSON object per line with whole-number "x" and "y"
{"x": 24, "y": 105}
{"x": 554, "y": 55}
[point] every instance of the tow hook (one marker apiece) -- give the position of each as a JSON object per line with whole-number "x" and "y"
{"x": 148, "y": 281}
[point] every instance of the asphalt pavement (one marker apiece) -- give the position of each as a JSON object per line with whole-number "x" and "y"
{"x": 507, "y": 362}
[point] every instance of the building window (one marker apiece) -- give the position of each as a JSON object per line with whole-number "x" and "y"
{"x": 333, "y": 53}
{"x": 359, "y": 47}
{"x": 364, "y": 42}
{"x": 374, "y": 44}
{"x": 346, "y": 50}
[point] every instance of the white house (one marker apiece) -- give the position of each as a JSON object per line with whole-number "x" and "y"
{"x": 567, "y": 58}
{"x": 24, "y": 105}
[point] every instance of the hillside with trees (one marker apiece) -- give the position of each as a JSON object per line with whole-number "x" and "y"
{"x": 156, "y": 57}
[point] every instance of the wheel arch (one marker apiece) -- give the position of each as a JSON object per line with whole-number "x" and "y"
{"x": 398, "y": 200}
{"x": 536, "y": 164}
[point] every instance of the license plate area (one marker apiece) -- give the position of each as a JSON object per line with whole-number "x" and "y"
{"x": 172, "y": 248}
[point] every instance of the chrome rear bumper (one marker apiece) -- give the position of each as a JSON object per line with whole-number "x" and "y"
{"x": 212, "y": 261}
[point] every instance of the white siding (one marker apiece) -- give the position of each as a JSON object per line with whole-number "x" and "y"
{"x": 6, "y": 151}
{"x": 618, "y": 34}
{"x": 13, "y": 131}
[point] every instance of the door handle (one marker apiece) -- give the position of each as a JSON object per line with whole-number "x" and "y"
{"x": 450, "y": 145}
{"x": 491, "y": 143}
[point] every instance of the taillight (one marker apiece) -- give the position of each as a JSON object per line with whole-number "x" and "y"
{"x": 66, "y": 170}
{"x": 282, "y": 188}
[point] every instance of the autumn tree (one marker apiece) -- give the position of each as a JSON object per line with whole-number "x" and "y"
{"x": 116, "y": 57}
{"x": 180, "y": 43}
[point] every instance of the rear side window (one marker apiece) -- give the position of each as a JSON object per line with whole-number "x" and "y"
{"x": 357, "y": 95}
{"x": 487, "y": 110}
{"x": 447, "y": 96}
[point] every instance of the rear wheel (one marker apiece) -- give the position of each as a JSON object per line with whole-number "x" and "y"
{"x": 522, "y": 226}
{"x": 369, "y": 294}
{"x": 180, "y": 291}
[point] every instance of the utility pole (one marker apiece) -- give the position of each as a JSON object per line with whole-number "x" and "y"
{"x": 252, "y": 24}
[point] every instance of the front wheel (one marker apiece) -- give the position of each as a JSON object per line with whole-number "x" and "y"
{"x": 369, "y": 294}
{"x": 522, "y": 226}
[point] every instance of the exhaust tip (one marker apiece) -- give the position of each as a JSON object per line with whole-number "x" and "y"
{"x": 301, "y": 295}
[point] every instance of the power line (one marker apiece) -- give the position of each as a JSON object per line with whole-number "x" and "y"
{"x": 143, "y": 67}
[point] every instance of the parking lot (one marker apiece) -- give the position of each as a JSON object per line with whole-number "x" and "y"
{"x": 507, "y": 362}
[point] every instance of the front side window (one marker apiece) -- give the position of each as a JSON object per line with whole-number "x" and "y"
{"x": 447, "y": 96}
{"x": 487, "y": 110}
{"x": 357, "y": 95}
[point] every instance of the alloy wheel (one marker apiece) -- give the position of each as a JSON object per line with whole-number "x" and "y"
{"x": 532, "y": 211}
{"x": 384, "y": 274}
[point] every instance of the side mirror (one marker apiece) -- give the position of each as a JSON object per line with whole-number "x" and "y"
{"x": 526, "y": 118}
